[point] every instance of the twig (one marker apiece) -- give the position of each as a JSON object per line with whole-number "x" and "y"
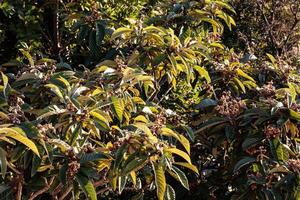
{"x": 57, "y": 190}
{"x": 44, "y": 189}
{"x": 12, "y": 168}
{"x": 100, "y": 183}
{"x": 164, "y": 96}
{"x": 65, "y": 194}
{"x": 103, "y": 190}
{"x": 19, "y": 193}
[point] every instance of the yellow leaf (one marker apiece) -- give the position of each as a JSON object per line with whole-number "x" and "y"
{"x": 240, "y": 84}
{"x": 133, "y": 177}
{"x": 185, "y": 142}
{"x": 160, "y": 181}
{"x": 119, "y": 32}
{"x": 147, "y": 131}
{"x": 9, "y": 132}
{"x": 180, "y": 153}
{"x": 187, "y": 165}
{"x": 141, "y": 118}
{"x": 56, "y": 90}
{"x": 244, "y": 75}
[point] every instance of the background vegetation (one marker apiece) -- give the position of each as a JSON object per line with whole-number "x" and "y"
{"x": 148, "y": 99}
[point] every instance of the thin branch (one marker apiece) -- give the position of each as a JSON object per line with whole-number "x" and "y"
{"x": 100, "y": 182}
{"x": 103, "y": 190}
{"x": 19, "y": 192}
{"x": 65, "y": 194}
{"x": 14, "y": 169}
{"x": 164, "y": 96}
{"x": 269, "y": 27}
{"x": 57, "y": 190}
{"x": 44, "y": 189}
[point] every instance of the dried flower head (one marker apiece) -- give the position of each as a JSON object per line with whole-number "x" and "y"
{"x": 294, "y": 164}
{"x": 229, "y": 106}
{"x": 271, "y": 131}
{"x": 267, "y": 90}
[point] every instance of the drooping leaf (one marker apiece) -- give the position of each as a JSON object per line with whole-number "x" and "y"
{"x": 243, "y": 162}
{"x": 55, "y": 89}
{"x": 119, "y": 32}
{"x": 170, "y": 193}
{"x": 243, "y": 74}
{"x": 181, "y": 177}
{"x": 122, "y": 182}
{"x": 133, "y": 165}
{"x": 294, "y": 115}
{"x": 3, "y": 162}
{"x": 88, "y": 157}
{"x": 62, "y": 175}
{"x": 204, "y": 103}
{"x": 9, "y": 132}
{"x": 160, "y": 181}
{"x": 5, "y": 84}
{"x": 117, "y": 107}
{"x": 187, "y": 165}
{"x": 180, "y": 153}
{"x": 87, "y": 186}
{"x": 239, "y": 84}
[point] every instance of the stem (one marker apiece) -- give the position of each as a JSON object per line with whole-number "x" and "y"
{"x": 44, "y": 189}
{"x": 19, "y": 192}
{"x": 65, "y": 194}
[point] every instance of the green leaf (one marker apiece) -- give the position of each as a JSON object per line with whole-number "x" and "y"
{"x": 185, "y": 143}
{"x": 65, "y": 83}
{"x": 189, "y": 131}
{"x": 117, "y": 107}
{"x": 87, "y": 186}
{"x": 249, "y": 142}
{"x": 35, "y": 164}
{"x": 134, "y": 165}
{"x": 119, "y": 156}
{"x": 204, "y": 103}
{"x": 3, "y": 162}
{"x": 62, "y": 145}
{"x": 160, "y": 181}
{"x": 181, "y": 177}
{"x": 28, "y": 56}
{"x": 224, "y": 5}
{"x": 51, "y": 110}
{"x": 170, "y": 193}
{"x": 101, "y": 119}
{"x": 100, "y": 33}
{"x": 55, "y": 89}
{"x": 9, "y": 132}
{"x": 75, "y": 133}
{"x": 210, "y": 124}
{"x": 243, "y": 162}
{"x": 88, "y": 157}
{"x": 122, "y": 182}
{"x": 63, "y": 174}
{"x": 119, "y": 32}
{"x": 279, "y": 152}
{"x": 147, "y": 131}
{"x": 240, "y": 84}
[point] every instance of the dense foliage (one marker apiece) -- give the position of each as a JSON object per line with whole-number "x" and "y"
{"x": 148, "y": 99}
